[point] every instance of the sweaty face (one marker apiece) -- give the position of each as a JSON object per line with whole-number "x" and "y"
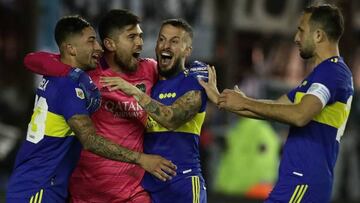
{"x": 304, "y": 39}
{"x": 172, "y": 48}
{"x": 128, "y": 42}
{"x": 88, "y": 49}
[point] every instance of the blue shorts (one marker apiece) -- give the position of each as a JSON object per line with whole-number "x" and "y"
{"x": 300, "y": 193}
{"x": 42, "y": 196}
{"x": 190, "y": 189}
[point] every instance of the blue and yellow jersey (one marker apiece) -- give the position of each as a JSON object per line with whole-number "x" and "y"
{"x": 310, "y": 152}
{"x": 48, "y": 156}
{"x": 181, "y": 146}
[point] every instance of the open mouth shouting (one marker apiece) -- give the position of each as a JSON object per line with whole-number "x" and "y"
{"x": 136, "y": 55}
{"x": 165, "y": 58}
{"x": 96, "y": 56}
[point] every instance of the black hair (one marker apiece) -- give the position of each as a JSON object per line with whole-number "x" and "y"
{"x": 329, "y": 18}
{"x": 116, "y": 19}
{"x": 69, "y": 25}
{"x": 179, "y": 22}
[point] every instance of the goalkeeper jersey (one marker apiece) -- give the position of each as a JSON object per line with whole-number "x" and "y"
{"x": 122, "y": 120}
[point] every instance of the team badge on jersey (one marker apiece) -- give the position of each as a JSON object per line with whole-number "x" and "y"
{"x": 80, "y": 93}
{"x": 141, "y": 87}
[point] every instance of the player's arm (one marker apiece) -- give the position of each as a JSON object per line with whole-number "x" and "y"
{"x": 281, "y": 100}
{"x": 171, "y": 117}
{"x": 85, "y": 132}
{"x": 46, "y": 63}
{"x": 294, "y": 114}
{"x": 175, "y": 115}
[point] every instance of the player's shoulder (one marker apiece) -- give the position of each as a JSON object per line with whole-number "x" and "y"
{"x": 333, "y": 63}
{"x": 149, "y": 66}
{"x": 147, "y": 62}
{"x": 333, "y": 67}
{"x": 59, "y": 85}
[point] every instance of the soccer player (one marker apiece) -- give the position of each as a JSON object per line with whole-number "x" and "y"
{"x": 176, "y": 111}
{"x": 317, "y": 110}
{"x": 60, "y": 124}
{"x": 119, "y": 117}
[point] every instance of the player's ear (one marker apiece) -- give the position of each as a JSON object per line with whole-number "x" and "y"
{"x": 69, "y": 48}
{"x": 188, "y": 51}
{"x": 319, "y": 35}
{"x": 109, "y": 44}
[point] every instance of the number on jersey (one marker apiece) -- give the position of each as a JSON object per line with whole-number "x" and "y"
{"x": 36, "y": 127}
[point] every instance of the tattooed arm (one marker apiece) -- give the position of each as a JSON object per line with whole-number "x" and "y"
{"x": 85, "y": 132}
{"x": 171, "y": 117}
{"x": 174, "y": 116}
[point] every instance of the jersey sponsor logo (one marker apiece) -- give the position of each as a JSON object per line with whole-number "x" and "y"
{"x": 124, "y": 109}
{"x": 167, "y": 95}
{"x": 80, "y": 93}
{"x": 43, "y": 84}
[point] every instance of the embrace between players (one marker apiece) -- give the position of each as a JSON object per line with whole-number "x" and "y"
{"x": 95, "y": 137}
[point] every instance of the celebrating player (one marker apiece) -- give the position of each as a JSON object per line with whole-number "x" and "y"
{"x": 317, "y": 110}
{"x": 176, "y": 111}
{"x": 50, "y": 152}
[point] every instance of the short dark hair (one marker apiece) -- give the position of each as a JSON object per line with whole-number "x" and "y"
{"x": 179, "y": 22}
{"x": 329, "y": 18}
{"x": 116, "y": 19}
{"x": 69, "y": 25}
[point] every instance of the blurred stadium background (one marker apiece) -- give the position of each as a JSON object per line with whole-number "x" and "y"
{"x": 251, "y": 44}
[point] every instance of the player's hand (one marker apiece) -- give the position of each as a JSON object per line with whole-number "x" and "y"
{"x": 92, "y": 93}
{"x": 210, "y": 86}
{"x": 198, "y": 70}
{"x": 157, "y": 166}
{"x": 232, "y": 100}
{"x": 117, "y": 83}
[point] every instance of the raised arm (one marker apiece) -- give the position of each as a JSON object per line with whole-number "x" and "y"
{"x": 46, "y": 63}
{"x": 171, "y": 117}
{"x": 85, "y": 132}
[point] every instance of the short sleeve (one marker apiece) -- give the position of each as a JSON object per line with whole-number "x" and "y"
{"x": 326, "y": 75}
{"x": 72, "y": 100}
{"x": 193, "y": 84}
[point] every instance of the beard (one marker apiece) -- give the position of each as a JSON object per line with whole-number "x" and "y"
{"x": 174, "y": 70}
{"x": 308, "y": 51}
{"x": 306, "y": 54}
{"x": 126, "y": 66}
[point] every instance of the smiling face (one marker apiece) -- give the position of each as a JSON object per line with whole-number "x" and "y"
{"x": 127, "y": 46}
{"x": 172, "y": 47}
{"x": 86, "y": 49}
{"x": 304, "y": 37}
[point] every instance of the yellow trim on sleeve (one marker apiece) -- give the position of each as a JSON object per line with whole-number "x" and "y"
{"x": 333, "y": 115}
{"x": 192, "y": 126}
{"x": 56, "y": 126}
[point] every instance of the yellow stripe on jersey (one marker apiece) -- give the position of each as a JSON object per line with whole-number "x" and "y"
{"x": 37, "y": 198}
{"x": 298, "y": 194}
{"x": 195, "y": 188}
{"x": 333, "y": 115}
{"x": 192, "y": 126}
{"x": 56, "y": 126}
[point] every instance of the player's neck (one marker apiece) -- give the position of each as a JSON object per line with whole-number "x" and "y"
{"x": 325, "y": 52}
{"x": 68, "y": 60}
{"x": 109, "y": 58}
